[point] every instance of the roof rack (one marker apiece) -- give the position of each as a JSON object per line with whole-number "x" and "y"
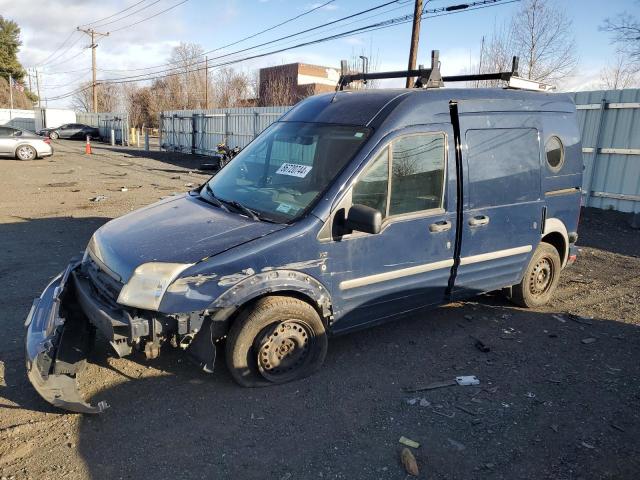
{"x": 431, "y": 77}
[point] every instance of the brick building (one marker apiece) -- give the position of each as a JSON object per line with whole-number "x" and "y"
{"x": 290, "y": 83}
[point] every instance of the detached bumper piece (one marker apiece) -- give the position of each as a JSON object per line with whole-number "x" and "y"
{"x": 56, "y": 349}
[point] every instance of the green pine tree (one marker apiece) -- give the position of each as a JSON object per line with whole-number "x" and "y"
{"x": 9, "y": 46}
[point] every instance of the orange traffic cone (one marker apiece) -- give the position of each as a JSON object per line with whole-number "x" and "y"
{"x": 87, "y": 148}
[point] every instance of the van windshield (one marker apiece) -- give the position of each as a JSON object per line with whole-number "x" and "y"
{"x": 281, "y": 173}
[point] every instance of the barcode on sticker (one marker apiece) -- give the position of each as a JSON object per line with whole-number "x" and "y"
{"x": 294, "y": 170}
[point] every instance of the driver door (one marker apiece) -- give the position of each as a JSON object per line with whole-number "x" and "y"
{"x": 407, "y": 265}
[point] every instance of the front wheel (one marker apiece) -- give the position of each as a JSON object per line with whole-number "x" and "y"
{"x": 276, "y": 340}
{"x": 540, "y": 279}
{"x": 26, "y": 152}
{"x": 54, "y": 135}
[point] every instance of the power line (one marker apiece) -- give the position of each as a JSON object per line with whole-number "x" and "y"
{"x": 100, "y": 25}
{"x": 268, "y": 42}
{"x": 113, "y": 14}
{"x": 149, "y": 18}
{"x": 58, "y": 49}
{"x": 443, "y": 11}
{"x": 376, "y": 26}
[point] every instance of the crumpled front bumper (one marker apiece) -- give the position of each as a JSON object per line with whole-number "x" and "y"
{"x": 56, "y": 349}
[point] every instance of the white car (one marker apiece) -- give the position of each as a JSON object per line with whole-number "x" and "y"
{"x": 23, "y": 145}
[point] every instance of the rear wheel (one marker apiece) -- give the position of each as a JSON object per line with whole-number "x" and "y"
{"x": 26, "y": 152}
{"x": 276, "y": 340}
{"x": 540, "y": 279}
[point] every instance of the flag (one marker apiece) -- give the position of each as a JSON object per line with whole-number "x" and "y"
{"x": 17, "y": 85}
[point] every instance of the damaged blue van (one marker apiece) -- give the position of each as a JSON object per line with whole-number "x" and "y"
{"x": 354, "y": 208}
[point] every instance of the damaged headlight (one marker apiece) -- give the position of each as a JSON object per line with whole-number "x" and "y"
{"x": 148, "y": 283}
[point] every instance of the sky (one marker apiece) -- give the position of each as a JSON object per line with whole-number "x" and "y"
{"x": 49, "y": 24}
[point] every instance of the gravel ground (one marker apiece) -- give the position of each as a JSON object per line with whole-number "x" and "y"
{"x": 551, "y": 404}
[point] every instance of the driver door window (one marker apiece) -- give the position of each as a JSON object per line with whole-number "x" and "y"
{"x": 415, "y": 164}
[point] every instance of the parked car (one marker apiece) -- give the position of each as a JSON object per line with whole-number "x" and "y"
{"x": 71, "y": 131}
{"x": 353, "y": 209}
{"x": 23, "y": 145}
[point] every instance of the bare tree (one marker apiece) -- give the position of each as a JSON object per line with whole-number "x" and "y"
{"x": 625, "y": 33}
{"x": 189, "y": 85}
{"x": 356, "y": 63}
{"x": 109, "y": 98}
{"x": 230, "y": 88}
{"x": 277, "y": 86}
{"x": 620, "y": 74}
{"x": 541, "y": 35}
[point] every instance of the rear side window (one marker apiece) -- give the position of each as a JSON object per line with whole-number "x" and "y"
{"x": 555, "y": 154}
{"x": 504, "y": 166}
{"x": 406, "y": 177}
{"x": 6, "y": 131}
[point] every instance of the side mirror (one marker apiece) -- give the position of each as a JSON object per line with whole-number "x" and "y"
{"x": 364, "y": 219}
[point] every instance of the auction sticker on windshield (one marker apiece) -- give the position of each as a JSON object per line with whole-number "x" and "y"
{"x": 294, "y": 170}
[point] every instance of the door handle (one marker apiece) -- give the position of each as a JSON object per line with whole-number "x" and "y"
{"x": 479, "y": 220}
{"x": 442, "y": 226}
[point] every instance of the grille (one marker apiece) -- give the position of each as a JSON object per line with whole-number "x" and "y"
{"x": 106, "y": 287}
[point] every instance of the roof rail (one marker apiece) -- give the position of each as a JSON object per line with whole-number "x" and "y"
{"x": 431, "y": 77}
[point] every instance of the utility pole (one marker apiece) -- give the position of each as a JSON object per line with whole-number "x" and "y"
{"x": 415, "y": 38}
{"x": 38, "y": 87}
{"x": 11, "y": 90}
{"x": 206, "y": 82}
{"x": 29, "y": 76}
{"x": 93, "y": 47}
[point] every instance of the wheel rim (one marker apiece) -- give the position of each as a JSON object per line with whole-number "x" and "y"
{"x": 25, "y": 153}
{"x": 283, "y": 348}
{"x": 541, "y": 277}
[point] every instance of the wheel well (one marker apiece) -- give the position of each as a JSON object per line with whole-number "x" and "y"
{"x": 556, "y": 240}
{"x": 282, "y": 293}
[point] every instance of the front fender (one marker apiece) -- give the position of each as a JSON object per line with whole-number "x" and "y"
{"x": 273, "y": 281}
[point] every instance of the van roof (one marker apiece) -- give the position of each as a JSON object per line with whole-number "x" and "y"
{"x": 372, "y": 107}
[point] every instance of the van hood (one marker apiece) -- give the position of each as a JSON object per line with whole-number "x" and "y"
{"x": 183, "y": 229}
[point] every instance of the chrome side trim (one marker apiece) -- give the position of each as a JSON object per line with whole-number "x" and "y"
{"x": 483, "y": 257}
{"x": 392, "y": 275}
{"x": 562, "y": 191}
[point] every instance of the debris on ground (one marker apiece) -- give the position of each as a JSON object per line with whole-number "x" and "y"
{"x": 409, "y": 462}
{"x": 432, "y": 386}
{"x": 98, "y": 198}
{"x": 480, "y": 345}
{"x": 455, "y": 444}
{"x": 587, "y": 341}
{"x": 208, "y": 166}
{"x": 62, "y": 184}
{"x": 466, "y": 380}
{"x": 466, "y": 410}
{"x": 580, "y": 319}
{"x": 408, "y": 442}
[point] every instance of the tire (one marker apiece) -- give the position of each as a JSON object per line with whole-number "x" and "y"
{"x": 275, "y": 340}
{"x": 54, "y": 135}
{"x": 26, "y": 152}
{"x": 541, "y": 278}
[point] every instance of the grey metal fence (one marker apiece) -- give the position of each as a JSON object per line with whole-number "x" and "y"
{"x": 107, "y": 121}
{"x": 610, "y": 124}
{"x": 609, "y": 121}
{"x": 199, "y": 131}
{"x": 23, "y": 119}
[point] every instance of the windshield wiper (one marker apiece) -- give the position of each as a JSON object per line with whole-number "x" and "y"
{"x": 246, "y": 210}
{"x": 213, "y": 199}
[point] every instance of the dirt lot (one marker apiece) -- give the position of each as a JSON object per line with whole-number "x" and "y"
{"x": 550, "y": 404}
